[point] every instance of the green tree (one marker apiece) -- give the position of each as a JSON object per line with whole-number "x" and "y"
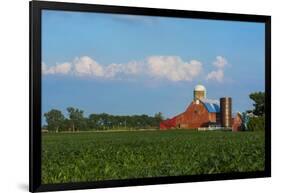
{"x": 76, "y": 121}
{"x": 54, "y": 119}
{"x": 93, "y": 122}
{"x": 259, "y": 100}
{"x": 76, "y": 118}
{"x": 158, "y": 118}
{"x": 256, "y": 123}
{"x": 67, "y": 125}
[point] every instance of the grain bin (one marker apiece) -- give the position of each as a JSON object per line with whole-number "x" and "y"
{"x": 226, "y": 111}
{"x": 199, "y": 92}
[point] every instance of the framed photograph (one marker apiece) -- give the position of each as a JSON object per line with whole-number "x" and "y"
{"x": 126, "y": 96}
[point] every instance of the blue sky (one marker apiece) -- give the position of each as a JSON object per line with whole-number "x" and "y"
{"x": 124, "y": 64}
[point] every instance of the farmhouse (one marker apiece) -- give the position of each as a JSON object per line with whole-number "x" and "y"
{"x": 204, "y": 113}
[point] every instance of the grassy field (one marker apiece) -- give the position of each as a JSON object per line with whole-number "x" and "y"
{"x": 75, "y": 157}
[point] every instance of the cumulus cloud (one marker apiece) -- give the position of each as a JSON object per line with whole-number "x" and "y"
{"x": 87, "y": 66}
{"x": 218, "y": 73}
{"x": 63, "y": 68}
{"x": 220, "y": 62}
{"x": 173, "y": 68}
{"x": 131, "y": 68}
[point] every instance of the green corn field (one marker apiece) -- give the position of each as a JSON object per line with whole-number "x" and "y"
{"x": 94, "y": 156}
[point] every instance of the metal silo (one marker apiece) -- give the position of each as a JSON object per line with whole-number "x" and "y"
{"x": 226, "y": 111}
{"x": 199, "y": 92}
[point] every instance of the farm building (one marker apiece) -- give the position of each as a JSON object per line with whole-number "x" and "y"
{"x": 205, "y": 113}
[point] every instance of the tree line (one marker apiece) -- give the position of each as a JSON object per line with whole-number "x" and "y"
{"x": 257, "y": 121}
{"x": 76, "y": 121}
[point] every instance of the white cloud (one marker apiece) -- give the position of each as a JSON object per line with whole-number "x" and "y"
{"x": 44, "y": 67}
{"x": 131, "y": 68}
{"x": 63, "y": 68}
{"x": 87, "y": 66}
{"x": 216, "y": 75}
{"x": 173, "y": 68}
{"x": 220, "y": 62}
{"x": 113, "y": 70}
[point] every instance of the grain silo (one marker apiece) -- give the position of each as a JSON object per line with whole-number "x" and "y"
{"x": 199, "y": 92}
{"x": 226, "y": 111}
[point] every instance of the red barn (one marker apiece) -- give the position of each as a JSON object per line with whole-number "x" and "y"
{"x": 200, "y": 113}
{"x": 203, "y": 112}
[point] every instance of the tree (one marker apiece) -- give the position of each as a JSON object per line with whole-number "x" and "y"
{"x": 158, "y": 118}
{"x": 76, "y": 118}
{"x": 93, "y": 121}
{"x": 67, "y": 125}
{"x": 259, "y": 100}
{"x": 256, "y": 123}
{"x": 76, "y": 121}
{"x": 54, "y": 119}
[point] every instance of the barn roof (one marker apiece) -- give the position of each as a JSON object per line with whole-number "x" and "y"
{"x": 213, "y": 106}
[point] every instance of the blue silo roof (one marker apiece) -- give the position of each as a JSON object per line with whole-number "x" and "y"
{"x": 213, "y": 106}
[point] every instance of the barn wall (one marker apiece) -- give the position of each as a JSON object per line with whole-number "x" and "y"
{"x": 196, "y": 115}
{"x": 236, "y": 123}
{"x": 212, "y": 117}
{"x": 167, "y": 124}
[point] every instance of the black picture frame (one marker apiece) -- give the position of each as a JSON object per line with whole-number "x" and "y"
{"x": 36, "y": 8}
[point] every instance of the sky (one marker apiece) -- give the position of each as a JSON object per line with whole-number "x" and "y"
{"x": 126, "y": 65}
